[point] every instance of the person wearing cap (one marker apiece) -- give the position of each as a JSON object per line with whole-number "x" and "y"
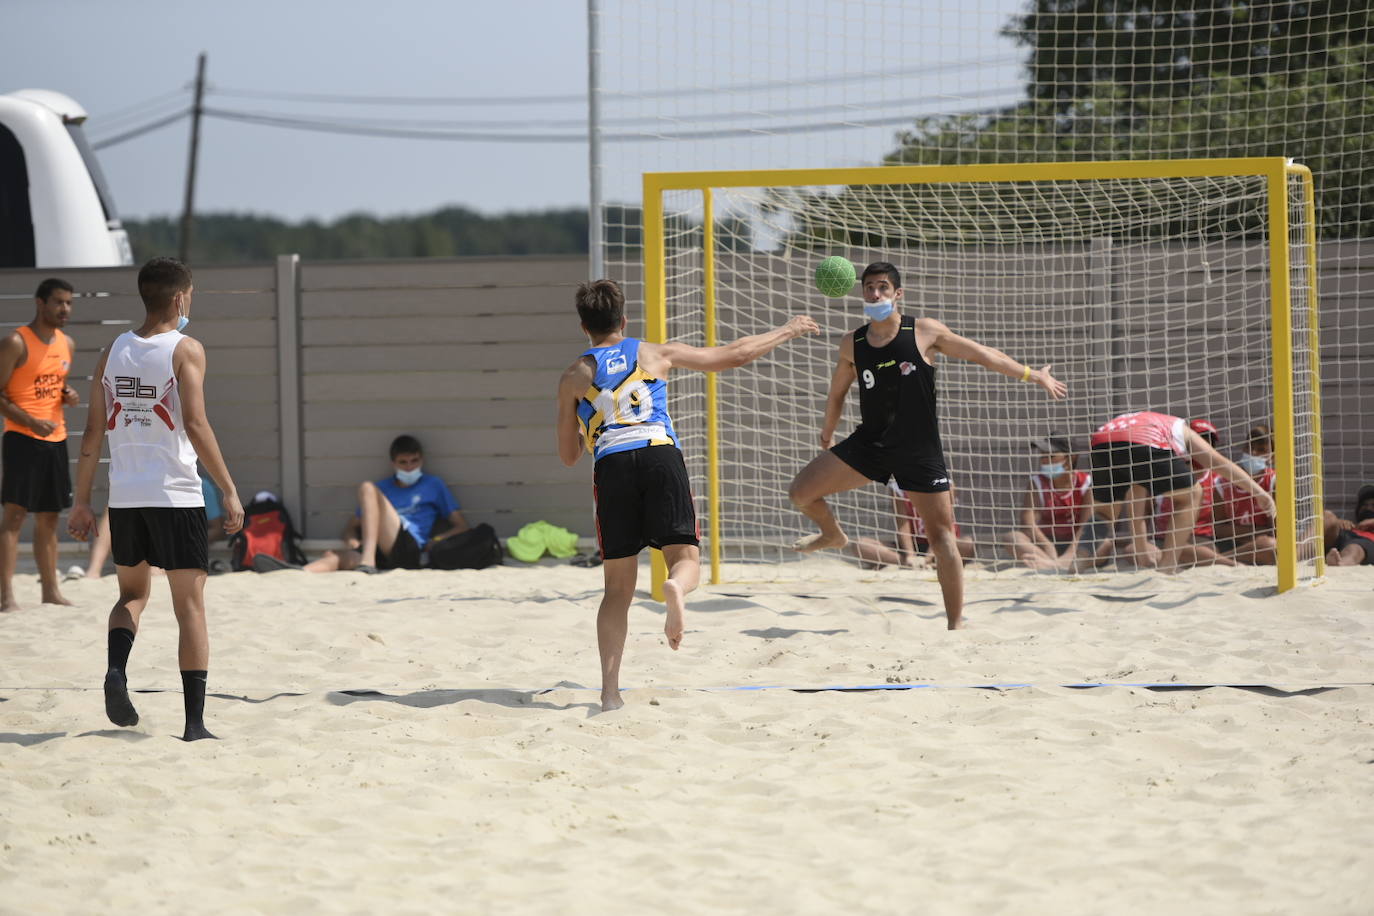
{"x": 1203, "y": 550}
{"x": 1055, "y": 511}
{"x": 1146, "y": 454}
{"x": 1353, "y": 542}
{"x": 1245, "y": 526}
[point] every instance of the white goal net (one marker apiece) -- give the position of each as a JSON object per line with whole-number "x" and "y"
{"x": 1143, "y": 293}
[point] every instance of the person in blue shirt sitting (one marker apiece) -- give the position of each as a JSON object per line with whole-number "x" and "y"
{"x": 395, "y": 517}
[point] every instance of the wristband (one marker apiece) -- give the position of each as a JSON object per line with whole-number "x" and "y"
{"x": 1025, "y": 376}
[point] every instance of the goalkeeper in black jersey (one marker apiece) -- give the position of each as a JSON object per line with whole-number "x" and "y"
{"x": 898, "y": 436}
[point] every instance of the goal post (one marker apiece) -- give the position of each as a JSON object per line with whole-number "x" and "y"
{"x": 1184, "y": 286}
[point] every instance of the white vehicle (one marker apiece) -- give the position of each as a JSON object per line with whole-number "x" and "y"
{"x": 55, "y": 208}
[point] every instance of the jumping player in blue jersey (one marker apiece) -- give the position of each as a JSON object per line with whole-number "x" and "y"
{"x": 614, "y": 402}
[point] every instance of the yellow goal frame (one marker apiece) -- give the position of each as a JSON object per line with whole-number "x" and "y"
{"x": 1276, "y": 170}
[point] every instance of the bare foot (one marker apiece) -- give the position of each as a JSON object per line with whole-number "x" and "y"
{"x": 814, "y": 542}
{"x": 676, "y": 624}
{"x": 610, "y": 701}
{"x": 56, "y": 598}
{"x": 196, "y": 733}
{"x": 1333, "y": 558}
{"x": 955, "y": 624}
{"x": 9, "y": 604}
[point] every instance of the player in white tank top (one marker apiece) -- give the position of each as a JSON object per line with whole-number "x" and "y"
{"x": 152, "y": 461}
{"x": 148, "y": 397}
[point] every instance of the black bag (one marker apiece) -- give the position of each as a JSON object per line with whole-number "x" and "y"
{"x": 476, "y": 548}
{"x": 267, "y": 530}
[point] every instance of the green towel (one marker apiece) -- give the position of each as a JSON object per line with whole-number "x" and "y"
{"x": 531, "y": 541}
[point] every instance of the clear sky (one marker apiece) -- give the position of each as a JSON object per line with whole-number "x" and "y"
{"x": 112, "y": 55}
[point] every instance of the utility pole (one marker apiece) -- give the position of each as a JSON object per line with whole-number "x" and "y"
{"x": 189, "y": 205}
{"x": 595, "y": 230}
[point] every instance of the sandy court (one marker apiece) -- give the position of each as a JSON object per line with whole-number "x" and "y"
{"x": 417, "y": 742}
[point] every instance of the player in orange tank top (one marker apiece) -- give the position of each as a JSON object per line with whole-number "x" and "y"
{"x": 35, "y": 478}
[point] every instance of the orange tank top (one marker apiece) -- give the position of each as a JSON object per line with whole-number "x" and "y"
{"x": 36, "y": 387}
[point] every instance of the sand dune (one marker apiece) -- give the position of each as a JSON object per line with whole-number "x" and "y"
{"x": 426, "y": 742}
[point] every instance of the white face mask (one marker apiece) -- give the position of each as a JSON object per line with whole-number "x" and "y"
{"x": 410, "y": 477}
{"x": 879, "y": 310}
{"x": 1253, "y": 464}
{"x": 1052, "y": 470}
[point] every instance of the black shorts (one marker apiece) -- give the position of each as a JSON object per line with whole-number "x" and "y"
{"x": 643, "y": 499}
{"x": 36, "y": 474}
{"x": 171, "y": 538}
{"x": 915, "y": 472}
{"x": 1117, "y": 466}
{"x": 1345, "y": 539}
{"x": 404, "y": 552}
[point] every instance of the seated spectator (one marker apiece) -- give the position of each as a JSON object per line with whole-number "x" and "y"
{"x": 1055, "y": 512}
{"x": 396, "y": 518}
{"x": 1353, "y": 543}
{"x": 1203, "y": 550}
{"x": 909, "y": 546}
{"x": 1244, "y": 527}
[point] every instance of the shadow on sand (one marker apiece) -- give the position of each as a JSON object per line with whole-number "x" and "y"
{"x": 497, "y": 696}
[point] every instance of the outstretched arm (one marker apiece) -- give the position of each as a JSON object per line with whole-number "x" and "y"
{"x": 658, "y": 358}
{"x": 1202, "y": 452}
{"x": 943, "y": 340}
{"x": 571, "y": 387}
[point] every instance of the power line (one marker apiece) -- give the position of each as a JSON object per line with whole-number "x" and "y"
{"x": 139, "y": 109}
{"x": 581, "y": 98}
{"x": 383, "y": 123}
{"x": 473, "y": 136}
{"x": 140, "y": 131}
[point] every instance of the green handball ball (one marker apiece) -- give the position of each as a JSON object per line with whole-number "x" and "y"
{"x": 835, "y": 277}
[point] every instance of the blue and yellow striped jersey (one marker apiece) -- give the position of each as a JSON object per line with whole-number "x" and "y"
{"x": 624, "y": 408}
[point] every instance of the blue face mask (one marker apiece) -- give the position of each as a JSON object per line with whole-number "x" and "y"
{"x": 182, "y": 322}
{"x": 1253, "y": 464}
{"x": 1052, "y": 470}
{"x": 409, "y": 478}
{"x": 879, "y": 310}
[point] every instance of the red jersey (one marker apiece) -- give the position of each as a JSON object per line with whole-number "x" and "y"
{"x": 1243, "y": 508}
{"x": 1210, "y": 481}
{"x": 1157, "y": 430}
{"x": 1058, "y": 510}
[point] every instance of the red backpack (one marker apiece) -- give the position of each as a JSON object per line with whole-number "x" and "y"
{"x": 267, "y": 530}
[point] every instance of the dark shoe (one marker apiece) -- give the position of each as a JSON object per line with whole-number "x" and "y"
{"x": 589, "y": 561}
{"x": 367, "y": 570}
{"x": 264, "y": 564}
{"x": 219, "y": 567}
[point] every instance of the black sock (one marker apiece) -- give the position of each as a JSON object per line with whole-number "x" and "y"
{"x": 193, "y": 690}
{"x": 121, "y": 641}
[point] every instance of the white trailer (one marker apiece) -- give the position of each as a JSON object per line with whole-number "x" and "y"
{"x": 55, "y": 208}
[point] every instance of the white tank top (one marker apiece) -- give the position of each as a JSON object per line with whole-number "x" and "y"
{"x": 152, "y": 462}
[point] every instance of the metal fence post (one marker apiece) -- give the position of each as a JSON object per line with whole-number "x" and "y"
{"x": 289, "y": 386}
